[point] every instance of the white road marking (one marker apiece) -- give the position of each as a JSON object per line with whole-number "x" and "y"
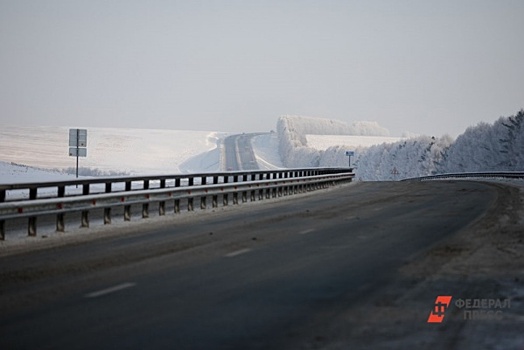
{"x": 307, "y": 231}
{"x": 237, "y": 252}
{"x": 110, "y": 290}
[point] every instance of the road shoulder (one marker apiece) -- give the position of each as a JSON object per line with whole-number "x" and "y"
{"x": 482, "y": 261}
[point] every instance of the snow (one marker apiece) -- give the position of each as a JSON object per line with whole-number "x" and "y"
{"x": 485, "y": 147}
{"x": 298, "y": 142}
{"x": 14, "y": 173}
{"x": 124, "y": 151}
{"x": 266, "y": 151}
{"x": 295, "y": 151}
{"x": 28, "y": 158}
{"x": 323, "y": 142}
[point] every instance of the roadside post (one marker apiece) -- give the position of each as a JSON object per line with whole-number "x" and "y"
{"x": 349, "y": 154}
{"x": 77, "y": 144}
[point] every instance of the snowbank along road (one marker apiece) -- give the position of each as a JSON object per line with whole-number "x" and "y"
{"x": 358, "y": 266}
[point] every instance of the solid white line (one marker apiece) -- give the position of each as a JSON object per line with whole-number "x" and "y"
{"x": 307, "y": 231}
{"x": 237, "y": 252}
{"x": 110, "y": 290}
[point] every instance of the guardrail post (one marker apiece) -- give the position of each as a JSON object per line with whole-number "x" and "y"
{"x": 145, "y": 206}
{"x": 215, "y": 180}
{"x": 190, "y": 204}
{"x": 31, "y": 227}
{"x": 60, "y": 226}
{"x": 203, "y": 203}
{"x": 162, "y": 204}
{"x": 2, "y": 196}
{"x": 84, "y": 218}
{"x": 203, "y": 181}
{"x": 127, "y": 213}
{"x": 235, "y": 197}
{"x": 177, "y": 206}
{"x": 244, "y": 196}
{"x": 85, "y": 189}
{"x": 108, "y": 187}
{"x": 177, "y": 182}
{"x": 61, "y": 191}
{"x": 107, "y": 216}
{"x": 128, "y": 186}
{"x": 33, "y": 193}
{"x": 2, "y": 230}
{"x": 214, "y": 201}
{"x": 190, "y": 181}
{"x": 225, "y": 198}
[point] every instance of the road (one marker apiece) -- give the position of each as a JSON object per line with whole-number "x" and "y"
{"x": 278, "y": 274}
{"x": 239, "y": 154}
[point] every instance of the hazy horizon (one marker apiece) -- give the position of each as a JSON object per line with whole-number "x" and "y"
{"x": 423, "y": 67}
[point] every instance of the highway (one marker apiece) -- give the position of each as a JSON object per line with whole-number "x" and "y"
{"x": 239, "y": 153}
{"x": 278, "y": 274}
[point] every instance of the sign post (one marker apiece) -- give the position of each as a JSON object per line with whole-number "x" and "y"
{"x": 349, "y": 154}
{"x": 77, "y": 144}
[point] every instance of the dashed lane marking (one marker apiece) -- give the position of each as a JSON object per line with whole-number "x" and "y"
{"x": 237, "y": 253}
{"x": 110, "y": 290}
{"x": 307, "y": 231}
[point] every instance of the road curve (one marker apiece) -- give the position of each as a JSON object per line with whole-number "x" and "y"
{"x": 239, "y": 154}
{"x": 269, "y": 275}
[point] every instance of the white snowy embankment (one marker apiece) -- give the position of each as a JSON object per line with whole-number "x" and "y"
{"x": 266, "y": 152}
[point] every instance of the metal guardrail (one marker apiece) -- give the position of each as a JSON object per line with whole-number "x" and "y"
{"x": 247, "y": 183}
{"x": 491, "y": 174}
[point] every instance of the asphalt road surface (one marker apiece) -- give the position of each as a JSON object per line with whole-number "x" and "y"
{"x": 239, "y": 154}
{"x": 272, "y": 275}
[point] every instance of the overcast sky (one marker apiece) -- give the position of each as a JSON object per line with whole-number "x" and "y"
{"x": 429, "y": 67}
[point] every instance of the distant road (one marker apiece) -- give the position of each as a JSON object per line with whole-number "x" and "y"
{"x": 239, "y": 154}
{"x": 272, "y": 275}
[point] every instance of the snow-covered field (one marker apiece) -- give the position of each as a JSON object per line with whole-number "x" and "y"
{"x": 14, "y": 173}
{"x": 323, "y": 142}
{"x": 29, "y": 154}
{"x": 130, "y": 151}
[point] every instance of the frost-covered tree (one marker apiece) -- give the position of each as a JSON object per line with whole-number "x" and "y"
{"x": 293, "y": 147}
{"x": 487, "y": 147}
{"x": 484, "y": 147}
